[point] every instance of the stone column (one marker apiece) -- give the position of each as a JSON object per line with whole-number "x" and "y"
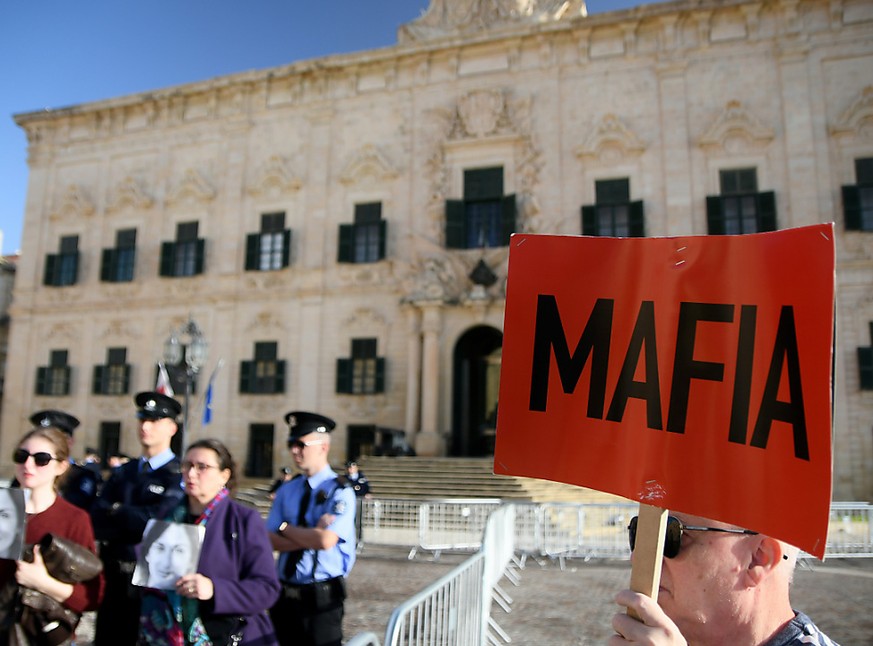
{"x": 429, "y": 442}
{"x": 413, "y": 372}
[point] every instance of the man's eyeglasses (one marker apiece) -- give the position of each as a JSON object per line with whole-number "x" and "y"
{"x": 199, "y": 467}
{"x": 40, "y": 458}
{"x": 673, "y": 539}
{"x": 300, "y": 445}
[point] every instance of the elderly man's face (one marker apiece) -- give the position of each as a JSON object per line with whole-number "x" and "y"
{"x": 700, "y": 586}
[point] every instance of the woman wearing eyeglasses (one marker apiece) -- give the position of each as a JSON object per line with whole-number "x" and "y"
{"x": 41, "y": 462}
{"x": 236, "y": 579}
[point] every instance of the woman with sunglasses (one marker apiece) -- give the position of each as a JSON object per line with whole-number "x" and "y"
{"x": 236, "y": 578}
{"x": 41, "y": 462}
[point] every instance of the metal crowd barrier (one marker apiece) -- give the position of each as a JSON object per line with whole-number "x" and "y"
{"x": 456, "y": 609}
{"x": 557, "y": 531}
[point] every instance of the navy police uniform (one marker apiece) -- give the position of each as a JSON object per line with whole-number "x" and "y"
{"x": 310, "y": 610}
{"x": 81, "y": 485}
{"x": 134, "y": 493}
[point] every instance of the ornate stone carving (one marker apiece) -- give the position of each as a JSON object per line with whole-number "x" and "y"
{"x": 857, "y": 120}
{"x": 193, "y": 187}
{"x": 73, "y": 203}
{"x": 274, "y": 176}
{"x": 266, "y": 321}
{"x": 733, "y": 126}
{"x": 128, "y": 192}
{"x": 368, "y": 162}
{"x": 611, "y": 138}
{"x": 464, "y": 17}
{"x": 120, "y": 329}
{"x": 366, "y": 318}
{"x": 480, "y": 112}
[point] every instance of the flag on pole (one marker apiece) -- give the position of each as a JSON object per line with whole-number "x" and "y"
{"x": 207, "y": 405}
{"x": 163, "y": 385}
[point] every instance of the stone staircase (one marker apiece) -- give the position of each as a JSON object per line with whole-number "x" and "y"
{"x": 421, "y": 478}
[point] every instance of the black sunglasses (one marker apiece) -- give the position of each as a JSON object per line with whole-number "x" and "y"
{"x": 40, "y": 459}
{"x": 673, "y": 539}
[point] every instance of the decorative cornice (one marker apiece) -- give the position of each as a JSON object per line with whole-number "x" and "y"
{"x": 74, "y": 202}
{"x": 128, "y": 192}
{"x": 368, "y": 161}
{"x": 274, "y": 176}
{"x": 611, "y": 132}
{"x": 192, "y": 187}
{"x": 735, "y": 120}
{"x": 857, "y": 118}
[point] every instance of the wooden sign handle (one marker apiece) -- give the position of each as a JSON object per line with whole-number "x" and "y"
{"x": 648, "y": 552}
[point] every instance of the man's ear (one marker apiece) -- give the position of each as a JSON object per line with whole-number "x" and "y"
{"x": 766, "y": 556}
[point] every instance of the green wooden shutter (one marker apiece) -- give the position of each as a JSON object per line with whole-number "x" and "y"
{"x": 280, "y": 377}
{"x": 714, "y": 217}
{"x": 346, "y": 247}
{"x": 125, "y": 385}
{"x": 508, "y": 214}
{"x": 344, "y": 376}
{"x": 252, "y": 248}
{"x": 383, "y": 229}
{"x": 865, "y": 368}
{"x": 75, "y": 277}
{"x": 380, "y": 375}
{"x": 97, "y": 381}
{"x": 49, "y": 275}
{"x": 67, "y": 373}
{"x": 766, "y": 205}
{"x": 637, "y": 220}
{"x": 200, "y": 258}
{"x": 41, "y": 380}
{"x": 455, "y": 225}
{"x": 246, "y": 371}
{"x": 107, "y": 262}
{"x": 168, "y": 255}
{"x": 852, "y": 207}
{"x": 286, "y": 247}
{"x": 589, "y": 220}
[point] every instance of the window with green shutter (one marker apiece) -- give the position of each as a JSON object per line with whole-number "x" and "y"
{"x": 118, "y": 262}
{"x": 858, "y": 198}
{"x": 186, "y": 255}
{"x": 62, "y": 268}
{"x": 363, "y": 241}
{"x": 613, "y": 213}
{"x": 113, "y": 377}
{"x": 485, "y": 217}
{"x": 740, "y": 207}
{"x": 265, "y": 374}
{"x": 364, "y": 372}
{"x": 270, "y": 249}
{"x": 54, "y": 379}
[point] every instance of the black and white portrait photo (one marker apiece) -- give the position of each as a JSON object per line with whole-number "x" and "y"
{"x": 11, "y": 523}
{"x": 168, "y": 551}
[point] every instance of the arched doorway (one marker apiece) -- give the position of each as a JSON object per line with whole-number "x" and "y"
{"x": 475, "y": 381}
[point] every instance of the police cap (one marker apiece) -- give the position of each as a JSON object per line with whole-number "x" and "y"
{"x": 57, "y": 418}
{"x": 153, "y": 405}
{"x": 301, "y": 423}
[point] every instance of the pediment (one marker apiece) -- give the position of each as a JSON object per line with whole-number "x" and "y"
{"x": 274, "y": 176}
{"x": 368, "y": 162}
{"x": 735, "y": 123}
{"x": 857, "y": 119}
{"x": 609, "y": 136}
{"x": 128, "y": 192}
{"x": 74, "y": 202}
{"x": 193, "y": 187}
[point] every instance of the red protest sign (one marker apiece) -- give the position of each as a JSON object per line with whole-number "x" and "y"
{"x": 689, "y": 373}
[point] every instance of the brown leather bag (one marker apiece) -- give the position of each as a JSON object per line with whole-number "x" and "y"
{"x": 42, "y": 620}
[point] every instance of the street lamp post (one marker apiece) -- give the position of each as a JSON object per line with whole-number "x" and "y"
{"x": 187, "y": 343}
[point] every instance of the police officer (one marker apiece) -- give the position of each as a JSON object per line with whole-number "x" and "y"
{"x": 132, "y": 495}
{"x": 358, "y": 481}
{"x": 81, "y": 485}
{"x": 312, "y": 525}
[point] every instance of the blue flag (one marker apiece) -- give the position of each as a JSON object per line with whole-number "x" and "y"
{"x": 207, "y": 407}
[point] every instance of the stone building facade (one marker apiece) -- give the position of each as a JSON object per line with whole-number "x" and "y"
{"x": 338, "y": 227}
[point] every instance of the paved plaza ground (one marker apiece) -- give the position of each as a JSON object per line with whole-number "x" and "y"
{"x": 573, "y": 607}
